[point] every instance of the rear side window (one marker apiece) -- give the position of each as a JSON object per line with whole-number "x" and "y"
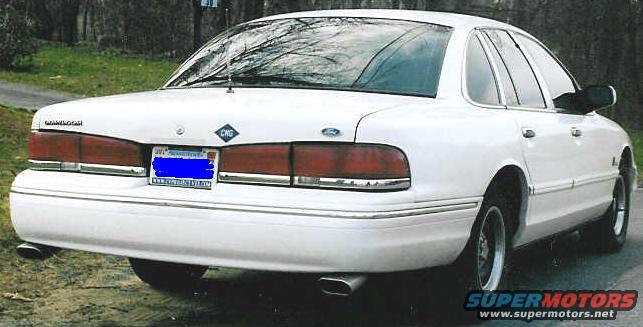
{"x": 523, "y": 77}
{"x": 507, "y": 84}
{"x": 481, "y": 83}
{"x": 557, "y": 79}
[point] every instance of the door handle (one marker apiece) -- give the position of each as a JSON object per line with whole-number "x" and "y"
{"x": 577, "y": 132}
{"x": 528, "y": 133}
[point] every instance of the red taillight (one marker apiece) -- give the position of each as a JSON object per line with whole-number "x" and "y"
{"x": 75, "y": 152}
{"x": 352, "y": 161}
{"x": 107, "y": 151}
{"x": 59, "y": 147}
{"x": 338, "y": 166}
{"x": 257, "y": 159}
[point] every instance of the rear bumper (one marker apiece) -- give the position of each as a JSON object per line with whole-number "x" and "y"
{"x": 248, "y": 236}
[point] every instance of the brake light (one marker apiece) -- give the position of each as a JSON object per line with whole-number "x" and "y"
{"x": 256, "y": 164}
{"x": 84, "y": 153}
{"x": 350, "y": 166}
{"x": 339, "y": 166}
{"x": 58, "y": 147}
{"x": 357, "y": 161}
{"x": 257, "y": 159}
{"x": 107, "y": 151}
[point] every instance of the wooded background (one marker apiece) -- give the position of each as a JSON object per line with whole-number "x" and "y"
{"x": 598, "y": 40}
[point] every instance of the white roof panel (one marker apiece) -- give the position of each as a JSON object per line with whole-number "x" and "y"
{"x": 441, "y": 18}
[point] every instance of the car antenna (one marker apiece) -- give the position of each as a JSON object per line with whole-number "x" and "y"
{"x": 227, "y": 52}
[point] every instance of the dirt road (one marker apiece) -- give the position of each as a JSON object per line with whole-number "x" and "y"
{"x": 30, "y": 98}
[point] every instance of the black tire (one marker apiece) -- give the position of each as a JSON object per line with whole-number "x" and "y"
{"x": 610, "y": 232}
{"x": 167, "y": 275}
{"x": 491, "y": 235}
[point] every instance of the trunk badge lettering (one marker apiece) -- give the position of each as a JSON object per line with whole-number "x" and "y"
{"x": 227, "y": 133}
{"x": 331, "y": 132}
{"x": 63, "y": 123}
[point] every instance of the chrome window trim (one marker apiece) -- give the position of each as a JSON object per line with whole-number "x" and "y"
{"x": 88, "y": 168}
{"x": 353, "y": 184}
{"x": 244, "y": 178}
{"x": 544, "y": 92}
{"x": 553, "y": 55}
{"x": 549, "y": 99}
{"x": 531, "y": 109}
{"x": 463, "y": 78}
{"x": 542, "y": 83}
{"x": 494, "y": 67}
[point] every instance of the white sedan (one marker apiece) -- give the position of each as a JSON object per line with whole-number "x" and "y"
{"x": 340, "y": 143}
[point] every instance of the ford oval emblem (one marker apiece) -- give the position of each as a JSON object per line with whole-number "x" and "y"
{"x": 331, "y": 132}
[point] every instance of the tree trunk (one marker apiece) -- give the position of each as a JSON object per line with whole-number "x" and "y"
{"x": 196, "y": 23}
{"x": 70, "y": 21}
{"x": 633, "y": 33}
{"x": 85, "y": 16}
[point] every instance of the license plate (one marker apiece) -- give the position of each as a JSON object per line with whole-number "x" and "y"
{"x": 184, "y": 167}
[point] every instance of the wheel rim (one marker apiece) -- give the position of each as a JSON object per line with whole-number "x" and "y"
{"x": 491, "y": 250}
{"x": 619, "y": 206}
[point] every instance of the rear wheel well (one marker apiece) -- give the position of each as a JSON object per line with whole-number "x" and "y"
{"x": 627, "y": 158}
{"x": 510, "y": 182}
{"x": 626, "y": 166}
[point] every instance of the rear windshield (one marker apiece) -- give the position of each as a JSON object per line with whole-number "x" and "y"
{"x": 362, "y": 54}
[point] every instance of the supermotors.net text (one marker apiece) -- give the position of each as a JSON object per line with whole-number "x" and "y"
{"x": 550, "y": 305}
{"x": 547, "y": 315}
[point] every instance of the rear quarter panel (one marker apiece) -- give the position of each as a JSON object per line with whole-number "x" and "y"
{"x": 454, "y": 151}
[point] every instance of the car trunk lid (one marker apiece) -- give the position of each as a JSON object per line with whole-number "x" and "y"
{"x": 214, "y": 117}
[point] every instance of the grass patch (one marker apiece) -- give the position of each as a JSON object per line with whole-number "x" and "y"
{"x": 637, "y": 143}
{"x": 86, "y": 72}
{"x": 14, "y": 130}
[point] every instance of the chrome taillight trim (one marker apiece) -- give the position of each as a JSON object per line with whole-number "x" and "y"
{"x": 243, "y": 178}
{"x": 113, "y": 170}
{"x": 354, "y": 184}
{"x": 330, "y": 183}
{"x": 88, "y": 168}
{"x": 45, "y": 165}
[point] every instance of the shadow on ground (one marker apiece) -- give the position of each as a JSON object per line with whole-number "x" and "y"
{"x": 405, "y": 299}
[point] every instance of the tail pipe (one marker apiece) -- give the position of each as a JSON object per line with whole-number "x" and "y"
{"x": 35, "y": 251}
{"x": 341, "y": 285}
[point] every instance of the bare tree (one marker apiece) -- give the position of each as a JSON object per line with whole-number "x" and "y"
{"x": 197, "y": 20}
{"x": 599, "y": 40}
{"x": 69, "y": 26}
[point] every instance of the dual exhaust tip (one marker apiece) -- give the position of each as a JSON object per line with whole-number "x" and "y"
{"x": 336, "y": 285}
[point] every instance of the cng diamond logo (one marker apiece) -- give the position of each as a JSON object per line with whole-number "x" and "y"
{"x": 227, "y": 133}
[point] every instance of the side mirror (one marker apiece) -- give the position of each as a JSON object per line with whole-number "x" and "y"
{"x": 595, "y": 97}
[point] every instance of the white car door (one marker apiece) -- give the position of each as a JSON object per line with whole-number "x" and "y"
{"x": 594, "y": 163}
{"x": 547, "y": 142}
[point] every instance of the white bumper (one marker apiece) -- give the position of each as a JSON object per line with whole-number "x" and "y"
{"x": 262, "y": 228}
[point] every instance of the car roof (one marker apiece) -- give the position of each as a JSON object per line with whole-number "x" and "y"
{"x": 458, "y": 21}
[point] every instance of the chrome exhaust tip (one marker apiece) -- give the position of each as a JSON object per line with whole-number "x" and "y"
{"x": 341, "y": 285}
{"x": 35, "y": 251}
